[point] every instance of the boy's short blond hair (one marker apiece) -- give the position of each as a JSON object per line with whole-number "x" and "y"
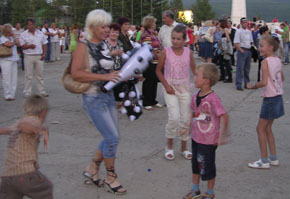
{"x": 34, "y": 105}
{"x": 209, "y": 71}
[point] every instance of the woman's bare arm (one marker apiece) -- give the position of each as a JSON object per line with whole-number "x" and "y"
{"x": 77, "y": 68}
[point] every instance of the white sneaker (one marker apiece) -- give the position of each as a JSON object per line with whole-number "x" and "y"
{"x": 26, "y": 95}
{"x": 274, "y": 162}
{"x": 148, "y": 107}
{"x": 44, "y": 94}
{"x": 158, "y": 105}
{"x": 259, "y": 165}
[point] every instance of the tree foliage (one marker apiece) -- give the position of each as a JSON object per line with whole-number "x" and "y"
{"x": 75, "y": 11}
{"x": 5, "y": 9}
{"x": 202, "y": 11}
{"x": 175, "y": 6}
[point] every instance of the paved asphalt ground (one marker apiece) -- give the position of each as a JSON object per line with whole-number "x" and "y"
{"x": 140, "y": 163}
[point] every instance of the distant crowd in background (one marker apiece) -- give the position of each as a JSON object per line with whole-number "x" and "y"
{"x": 213, "y": 40}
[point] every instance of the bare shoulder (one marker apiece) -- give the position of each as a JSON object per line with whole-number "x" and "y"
{"x": 80, "y": 50}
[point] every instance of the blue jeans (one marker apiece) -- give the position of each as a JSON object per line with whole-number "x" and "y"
{"x": 243, "y": 68}
{"x": 287, "y": 46}
{"x": 101, "y": 109}
{"x": 48, "y": 49}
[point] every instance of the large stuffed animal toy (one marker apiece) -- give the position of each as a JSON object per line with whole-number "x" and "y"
{"x": 137, "y": 61}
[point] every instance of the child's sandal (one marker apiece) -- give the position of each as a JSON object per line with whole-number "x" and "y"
{"x": 169, "y": 154}
{"x": 90, "y": 177}
{"x": 187, "y": 155}
{"x": 109, "y": 188}
{"x": 192, "y": 195}
{"x": 205, "y": 196}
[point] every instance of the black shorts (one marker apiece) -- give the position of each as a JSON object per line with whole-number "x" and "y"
{"x": 203, "y": 160}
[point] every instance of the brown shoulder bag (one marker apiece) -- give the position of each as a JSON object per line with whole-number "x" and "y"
{"x": 72, "y": 85}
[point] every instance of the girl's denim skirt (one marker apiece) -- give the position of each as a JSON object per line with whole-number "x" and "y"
{"x": 272, "y": 108}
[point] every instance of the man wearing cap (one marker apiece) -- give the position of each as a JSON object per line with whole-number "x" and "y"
{"x": 243, "y": 41}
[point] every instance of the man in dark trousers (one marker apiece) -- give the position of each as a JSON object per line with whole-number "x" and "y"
{"x": 243, "y": 42}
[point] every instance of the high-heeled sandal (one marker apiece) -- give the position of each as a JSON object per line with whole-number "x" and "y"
{"x": 90, "y": 177}
{"x": 109, "y": 188}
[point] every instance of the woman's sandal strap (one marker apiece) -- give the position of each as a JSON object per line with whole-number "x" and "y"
{"x": 98, "y": 182}
{"x": 111, "y": 172}
{"x": 115, "y": 190}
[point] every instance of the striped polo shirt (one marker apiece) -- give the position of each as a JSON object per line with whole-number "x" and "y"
{"x": 21, "y": 154}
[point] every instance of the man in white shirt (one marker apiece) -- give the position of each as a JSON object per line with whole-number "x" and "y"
{"x": 165, "y": 31}
{"x": 48, "y": 35}
{"x": 33, "y": 43}
{"x": 243, "y": 41}
{"x": 278, "y": 30}
{"x": 54, "y": 39}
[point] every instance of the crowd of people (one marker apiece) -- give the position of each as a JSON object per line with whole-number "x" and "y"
{"x": 30, "y": 49}
{"x": 100, "y": 45}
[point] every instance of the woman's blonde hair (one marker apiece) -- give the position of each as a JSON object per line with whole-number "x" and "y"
{"x": 96, "y": 18}
{"x": 6, "y": 29}
{"x": 209, "y": 71}
{"x": 148, "y": 21}
{"x": 34, "y": 105}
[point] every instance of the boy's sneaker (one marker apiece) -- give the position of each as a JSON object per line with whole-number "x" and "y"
{"x": 206, "y": 195}
{"x": 274, "y": 162}
{"x": 259, "y": 165}
{"x": 192, "y": 195}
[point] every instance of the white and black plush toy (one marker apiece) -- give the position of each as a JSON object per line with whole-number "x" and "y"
{"x": 131, "y": 100}
{"x": 137, "y": 61}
